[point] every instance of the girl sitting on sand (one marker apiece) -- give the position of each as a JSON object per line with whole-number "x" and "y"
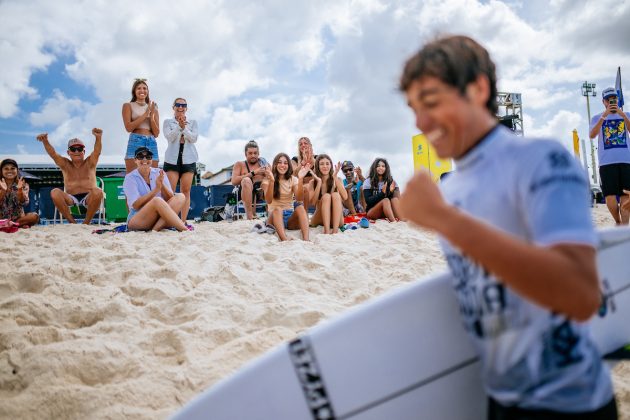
{"x": 282, "y": 189}
{"x": 328, "y": 192}
{"x": 381, "y": 192}
{"x": 14, "y": 195}
{"x": 152, "y": 204}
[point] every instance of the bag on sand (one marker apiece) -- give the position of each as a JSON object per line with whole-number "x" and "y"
{"x": 212, "y": 214}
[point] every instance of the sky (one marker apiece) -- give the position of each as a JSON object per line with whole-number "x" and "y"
{"x": 277, "y": 70}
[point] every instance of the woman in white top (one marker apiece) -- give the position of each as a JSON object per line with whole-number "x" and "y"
{"x": 283, "y": 194}
{"x": 327, "y": 190}
{"x": 151, "y": 201}
{"x": 142, "y": 122}
{"x": 180, "y": 160}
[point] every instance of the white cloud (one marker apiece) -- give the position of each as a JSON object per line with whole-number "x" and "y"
{"x": 277, "y": 70}
{"x": 57, "y": 109}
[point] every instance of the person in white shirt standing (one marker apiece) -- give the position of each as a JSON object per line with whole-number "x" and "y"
{"x": 180, "y": 161}
{"x": 611, "y": 128}
{"x": 516, "y": 231}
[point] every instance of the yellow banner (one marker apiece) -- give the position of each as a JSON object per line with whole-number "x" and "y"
{"x": 424, "y": 156}
{"x": 576, "y": 144}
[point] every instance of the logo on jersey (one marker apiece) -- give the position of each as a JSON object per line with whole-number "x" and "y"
{"x": 614, "y": 132}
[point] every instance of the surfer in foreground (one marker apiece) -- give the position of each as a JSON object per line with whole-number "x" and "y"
{"x": 516, "y": 231}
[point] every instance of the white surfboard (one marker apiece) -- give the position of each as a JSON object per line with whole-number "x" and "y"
{"x": 404, "y": 355}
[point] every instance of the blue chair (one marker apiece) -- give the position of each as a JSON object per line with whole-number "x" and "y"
{"x": 198, "y": 201}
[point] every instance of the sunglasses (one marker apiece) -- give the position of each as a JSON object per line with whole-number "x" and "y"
{"x": 76, "y": 149}
{"x": 144, "y": 156}
{"x": 180, "y": 105}
{"x": 347, "y": 170}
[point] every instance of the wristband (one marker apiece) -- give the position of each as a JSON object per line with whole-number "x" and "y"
{"x": 252, "y": 173}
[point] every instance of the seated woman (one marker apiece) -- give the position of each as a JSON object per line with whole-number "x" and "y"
{"x": 14, "y": 195}
{"x": 381, "y": 192}
{"x": 152, "y": 204}
{"x": 283, "y": 194}
{"x": 328, "y": 192}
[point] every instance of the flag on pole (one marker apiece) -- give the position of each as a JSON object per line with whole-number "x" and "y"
{"x": 618, "y": 88}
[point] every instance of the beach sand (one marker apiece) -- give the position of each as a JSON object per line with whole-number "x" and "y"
{"x": 134, "y": 325}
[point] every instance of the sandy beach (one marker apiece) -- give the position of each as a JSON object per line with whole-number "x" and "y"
{"x": 134, "y": 325}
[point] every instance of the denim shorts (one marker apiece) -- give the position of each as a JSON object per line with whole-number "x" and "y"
{"x": 286, "y": 214}
{"x": 132, "y": 212}
{"x": 139, "y": 140}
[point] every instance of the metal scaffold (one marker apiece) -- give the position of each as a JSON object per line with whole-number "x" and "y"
{"x": 511, "y": 111}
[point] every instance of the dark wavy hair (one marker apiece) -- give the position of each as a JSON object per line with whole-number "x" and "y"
{"x": 133, "y": 90}
{"x": 276, "y": 174}
{"x": 373, "y": 176}
{"x": 331, "y": 181}
{"x": 456, "y": 61}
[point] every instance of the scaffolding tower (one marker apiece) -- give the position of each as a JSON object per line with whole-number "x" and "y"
{"x": 511, "y": 111}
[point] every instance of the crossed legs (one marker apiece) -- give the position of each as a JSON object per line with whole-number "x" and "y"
{"x": 158, "y": 214}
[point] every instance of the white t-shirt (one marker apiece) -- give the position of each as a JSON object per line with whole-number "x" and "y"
{"x": 536, "y": 191}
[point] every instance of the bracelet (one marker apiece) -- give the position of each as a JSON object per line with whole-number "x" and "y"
{"x": 252, "y": 173}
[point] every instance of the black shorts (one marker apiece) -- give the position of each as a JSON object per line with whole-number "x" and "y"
{"x": 256, "y": 191}
{"x": 180, "y": 169}
{"x": 615, "y": 178}
{"x": 498, "y": 412}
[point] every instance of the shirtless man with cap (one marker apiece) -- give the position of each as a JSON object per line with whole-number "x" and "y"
{"x": 79, "y": 176}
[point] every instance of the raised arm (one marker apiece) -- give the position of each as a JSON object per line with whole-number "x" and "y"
{"x": 342, "y": 191}
{"x": 154, "y": 119}
{"x": 191, "y": 132}
{"x": 56, "y": 157}
{"x": 314, "y": 187}
{"x": 298, "y": 187}
{"x": 165, "y": 188}
{"x": 131, "y": 125}
{"x": 172, "y": 130}
{"x": 268, "y": 185}
{"x": 561, "y": 277}
{"x": 98, "y": 146}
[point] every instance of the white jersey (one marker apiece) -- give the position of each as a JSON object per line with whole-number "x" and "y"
{"x": 536, "y": 191}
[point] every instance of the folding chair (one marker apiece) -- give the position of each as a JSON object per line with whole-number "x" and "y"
{"x": 76, "y": 210}
{"x": 260, "y": 208}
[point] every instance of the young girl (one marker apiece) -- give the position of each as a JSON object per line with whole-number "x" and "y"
{"x": 327, "y": 190}
{"x": 180, "y": 160}
{"x": 142, "y": 122}
{"x": 14, "y": 195}
{"x": 283, "y": 194}
{"x": 381, "y": 192}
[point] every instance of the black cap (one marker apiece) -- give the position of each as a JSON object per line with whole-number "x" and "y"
{"x": 143, "y": 149}
{"x": 8, "y": 162}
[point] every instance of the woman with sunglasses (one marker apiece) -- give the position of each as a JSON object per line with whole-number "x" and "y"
{"x": 328, "y": 192}
{"x": 14, "y": 195}
{"x": 142, "y": 122}
{"x": 180, "y": 160}
{"x": 151, "y": 201}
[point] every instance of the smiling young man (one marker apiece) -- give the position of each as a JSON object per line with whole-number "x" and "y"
{"x": 79, "y": 176}
{"x": 517, "y": 234}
